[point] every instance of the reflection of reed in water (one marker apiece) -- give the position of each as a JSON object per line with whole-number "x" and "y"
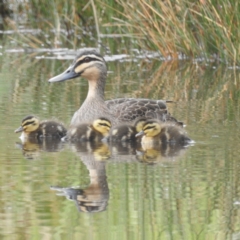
{"x": 93, "y": 198}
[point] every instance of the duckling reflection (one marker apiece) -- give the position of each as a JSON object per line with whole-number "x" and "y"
{"x": 124, "y": 148}
{"x": 99, "y": 151}
{"x": 32, "y": 148}
{"x": 164, "y": 153}
{"x": 102, "y": 152}
{"x": 93, "y": 198}
{"x": 32, "y": 128}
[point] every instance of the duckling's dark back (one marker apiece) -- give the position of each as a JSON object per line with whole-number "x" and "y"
{"x": 83, "y": 132}
{"x": 52, "y": 129}
{"x": 173, "y": 134}
{"x": 123, "y": 133}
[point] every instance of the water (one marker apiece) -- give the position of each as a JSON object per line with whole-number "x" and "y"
{"x": 118, "y": 193}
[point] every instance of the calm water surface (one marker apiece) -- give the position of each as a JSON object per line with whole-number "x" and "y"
{"x": 190, "y": 193}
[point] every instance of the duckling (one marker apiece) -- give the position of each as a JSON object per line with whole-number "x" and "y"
{"x": 94, "y": 131}
{"x": 32, "y": 128}
{"x": 155, "y": 133}
{"x": 126, "y": 132}
{"x": 91, "y": 65}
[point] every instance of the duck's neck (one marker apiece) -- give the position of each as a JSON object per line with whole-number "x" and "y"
{"x": 96, "y": 87}
{"x": 94, "y": 106}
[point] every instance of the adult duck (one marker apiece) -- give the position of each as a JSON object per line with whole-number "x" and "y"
{"x": 90, "y": 65}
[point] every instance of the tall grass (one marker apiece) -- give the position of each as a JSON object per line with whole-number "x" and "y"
{"x": 208, "y": 29}
{"x": 59, "y": 23}
{"x": 203, "y": 29}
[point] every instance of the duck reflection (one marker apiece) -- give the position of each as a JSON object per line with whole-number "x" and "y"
{"x": 93, "y": 198}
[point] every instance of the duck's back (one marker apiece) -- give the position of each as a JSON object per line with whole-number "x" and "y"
{"x": 129, "y": 109}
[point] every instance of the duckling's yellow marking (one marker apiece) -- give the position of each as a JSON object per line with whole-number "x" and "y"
{"x": 60, "y": 128}
{"x": 114, "y": 132}
{"x": 73, "y": 131}
{"x": 102, "y": 125}
{"x": 139, "y": 124}
{"x": 152, "y": 129}
{"x": 30, "y": 125}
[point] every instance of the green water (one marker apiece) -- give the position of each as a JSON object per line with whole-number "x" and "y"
{"x": 192, "y": 194}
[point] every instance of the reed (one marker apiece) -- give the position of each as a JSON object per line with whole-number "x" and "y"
{"x": 206, "y": 29}
{"x": 54, "y": 24}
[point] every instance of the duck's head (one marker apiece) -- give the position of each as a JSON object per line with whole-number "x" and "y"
{"x": 150, "y": 128}
{"x": 29, "y": 124}
{"x": 88, "y": 64}
{"x": 139, "y": 124}
{"x": 102, "y": 125}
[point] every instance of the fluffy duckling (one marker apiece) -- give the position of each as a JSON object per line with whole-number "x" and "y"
{"x": 32, "y": 128}
{"x": 94, "y": 131}
{"x": 126, "y": 132}
{"x": 155, "y": 133}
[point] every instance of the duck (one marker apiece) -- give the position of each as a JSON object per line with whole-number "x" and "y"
{"x": 126, "y": 132}
{"x": 94, "y": 132}
{"x": 33, "y": 128}
{"x": 155, "y": 133}
{"x": 90, "y": 64}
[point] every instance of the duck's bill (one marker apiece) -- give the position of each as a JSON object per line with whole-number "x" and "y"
{"x": 139, "y": 134}
{"x": 66, "y": 75}
{"x": 20, "y": 129}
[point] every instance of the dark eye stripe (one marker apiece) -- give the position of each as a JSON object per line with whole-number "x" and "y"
{"x": 28, "y": 123}
{"x": 148, "y": 127}
{"x": 87, "y": 59}
{"x": 104, "y": 124}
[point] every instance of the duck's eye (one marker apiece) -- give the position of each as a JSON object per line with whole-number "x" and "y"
{"x": 87, "y": 59}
